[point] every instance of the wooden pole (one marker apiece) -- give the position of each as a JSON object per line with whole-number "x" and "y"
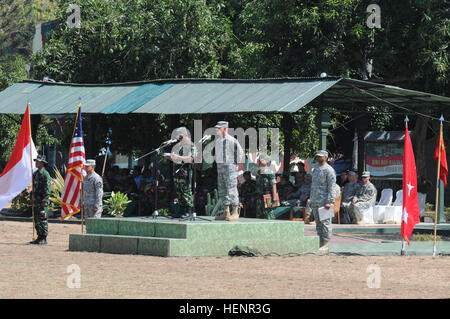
{"x": 31, "y": 168}
{"x": 104, "y": 163}
{"x": 437, "y": 188}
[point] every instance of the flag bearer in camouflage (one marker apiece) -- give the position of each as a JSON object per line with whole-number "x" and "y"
{"x": 228, "y": 154}
{"x": 322, "y": 186}
{"x": 183, "y": 154}
{"x": 41, "y": 196}
{"x": 92, "y": 191}
{"x": 266, "y": 183}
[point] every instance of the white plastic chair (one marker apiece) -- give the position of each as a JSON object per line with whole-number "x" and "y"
{"x": 393, "y": 214}
{"x": 367, "y": 216}
{"x": 385, "y": 201}
{"x": 422, "y": 198}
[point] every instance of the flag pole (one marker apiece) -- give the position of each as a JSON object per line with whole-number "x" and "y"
{"x": 437, "y": 186}
{"x": 31, "y": 168}
{"x": 82, "y": 177}
{"x": 402, "y": 252}
{"x": 104, "y": 163}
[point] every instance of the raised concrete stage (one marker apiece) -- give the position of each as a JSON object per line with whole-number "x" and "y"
{"x": 202, "y": 237}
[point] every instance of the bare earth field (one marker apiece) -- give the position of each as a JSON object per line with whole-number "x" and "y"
{"x": 30, "y": 271}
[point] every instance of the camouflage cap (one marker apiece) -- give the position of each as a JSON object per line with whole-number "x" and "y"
{"x": 89, "y": 162}
{"x": 41, "y": 158}
{"x": 221, "y": 124}
{"x": 180, "y": 131}
{"x": 322, "y": 153}
{"x": 351, "y": 173}
{"x": 365, "y": 174}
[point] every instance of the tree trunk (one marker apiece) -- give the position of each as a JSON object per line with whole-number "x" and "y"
{"x": 418, "y": 142}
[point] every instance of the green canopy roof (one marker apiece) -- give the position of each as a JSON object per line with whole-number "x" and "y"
{"x": 196, "y": 96}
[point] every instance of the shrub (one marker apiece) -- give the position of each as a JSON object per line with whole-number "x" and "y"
{"x": 116, "y": 204}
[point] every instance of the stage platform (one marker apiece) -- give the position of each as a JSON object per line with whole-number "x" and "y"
{"x": 201, "y": 237}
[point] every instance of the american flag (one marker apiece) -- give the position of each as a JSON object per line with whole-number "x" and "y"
{"x": 71, "y": 194}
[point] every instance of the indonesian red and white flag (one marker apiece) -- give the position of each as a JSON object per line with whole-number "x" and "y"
{"x": 17, "y": 174}
{"x": 71, "y": 194}
{"x": 411, "y": 211}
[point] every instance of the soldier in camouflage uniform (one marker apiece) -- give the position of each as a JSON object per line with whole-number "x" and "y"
{"x": 351, "y": 188}
{"x": 322, "y": 195}
{"x": 365, "y": 198}
{"x": 302, "y": 194}
{"x": 183, "y": 171}
{"x": 265, "y": 184}
{"x": 92, "y": 191}
{"x": 248, "y": 194}
{"x": 284, "y": 187}
{"x": 41, "y": 196}
{"x": 228, "y": 154}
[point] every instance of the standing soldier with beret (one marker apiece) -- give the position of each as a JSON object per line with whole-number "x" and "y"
{"x": 322, "y": 195}
{"x": 92, "y": 191}
{"x": 41, "y": 196}
{"x": 228, "y": 154}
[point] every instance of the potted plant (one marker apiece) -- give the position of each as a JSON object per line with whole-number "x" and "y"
{"x": 116, "y": 204}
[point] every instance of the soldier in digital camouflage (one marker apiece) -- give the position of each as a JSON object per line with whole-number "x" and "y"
{"x": 41, "y": 200}
{"x": 364, "y": 199}
{"x": 322, "y": 195}
{"x": 92, "y": 191}
{"x": 228, "y": 154}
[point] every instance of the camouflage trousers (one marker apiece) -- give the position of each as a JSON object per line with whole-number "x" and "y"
{"x": 227, "y": 184}
{"x": 262, "y": 212}
{"x": 323, "y": 227}
{"x": 89, "y": 211}
{"x": 40, "y": 222}
{"x": 183, "y": 191}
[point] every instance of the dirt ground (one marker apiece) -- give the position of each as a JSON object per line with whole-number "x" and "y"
{"x": 30, "y": 271}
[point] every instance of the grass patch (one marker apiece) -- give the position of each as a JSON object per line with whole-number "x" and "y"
{"x": 425, "y": 237}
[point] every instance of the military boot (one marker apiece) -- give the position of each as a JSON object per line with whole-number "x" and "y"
{"x": 43, "y": 241}
{"x": 224, "y": 215}
{"x": 234, "y": 217}
{"x": 34, "y": 242}
{"x": 323, "y": 246}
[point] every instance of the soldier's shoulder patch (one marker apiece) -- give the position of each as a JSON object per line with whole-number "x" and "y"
{"x": 99, "y": 184}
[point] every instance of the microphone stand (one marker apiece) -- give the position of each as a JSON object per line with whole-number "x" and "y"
{"x": 204, "y": 139}
{"x": 157, "y": 150}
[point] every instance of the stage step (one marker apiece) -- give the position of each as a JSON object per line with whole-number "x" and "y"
{"x": 202, "y": 237}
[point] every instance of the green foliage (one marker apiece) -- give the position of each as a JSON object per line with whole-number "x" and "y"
{"x": 116, "y": 204}
{"x": 56, "y": 188}
{"x": 134, "y": 40}
{"x": 22, "y": 202}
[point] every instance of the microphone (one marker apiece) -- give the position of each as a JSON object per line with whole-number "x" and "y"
{"x": 205, "y": 138}
{"x": 170, "y": 141}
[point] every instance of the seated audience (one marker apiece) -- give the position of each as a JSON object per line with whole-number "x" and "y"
{"x": 365, "y": 198}
{"x": 349, "y": 192}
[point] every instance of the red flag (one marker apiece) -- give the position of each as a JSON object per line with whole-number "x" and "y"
{"x": 443, "y": 171}
{"x": 17, "y": 174}
{"x": 411, "y": 211}
{"x": 71, "y": 194}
